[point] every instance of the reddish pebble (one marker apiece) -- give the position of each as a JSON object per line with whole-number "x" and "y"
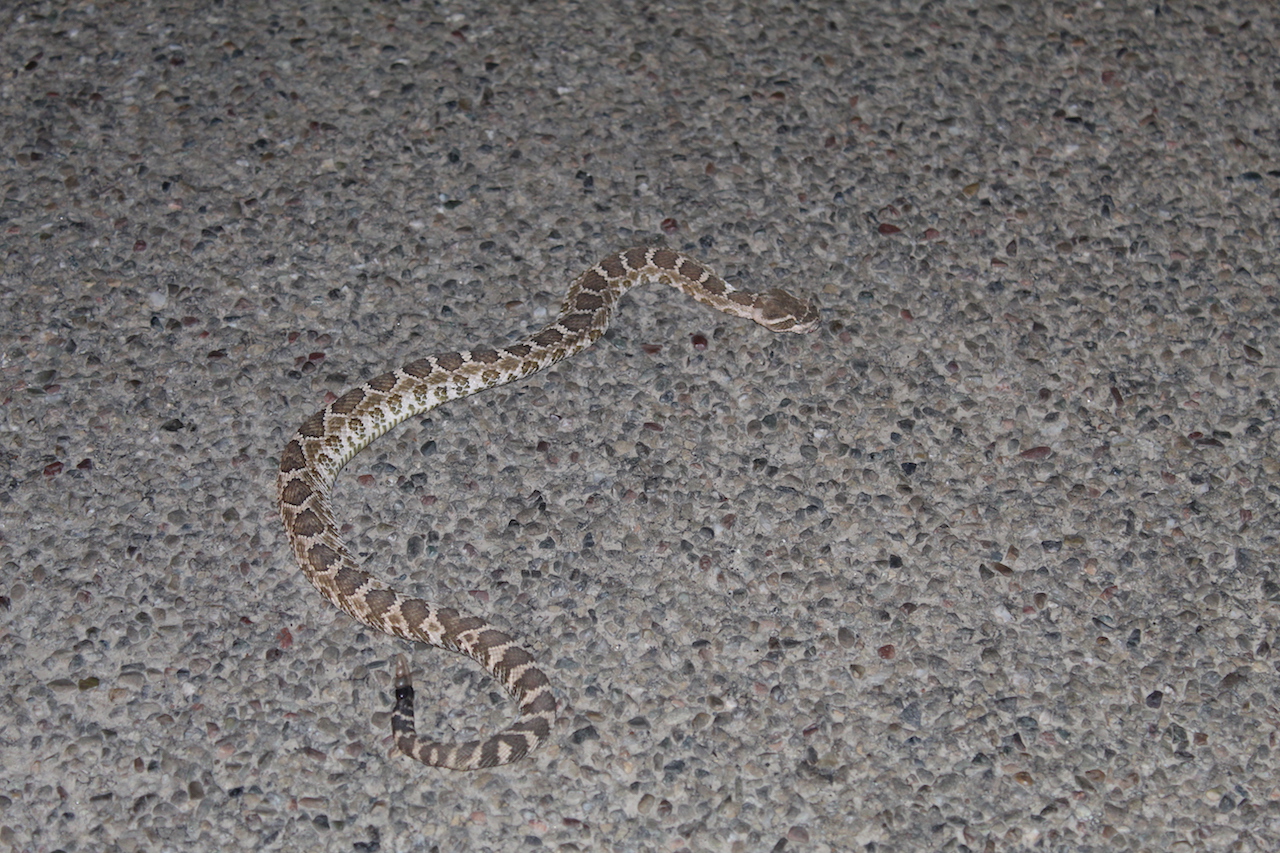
{"x": 652, "y": 427}
{"x": 650, "y": 349}
{"x": 284, "y": 639}
{"x": 887, "y": 652}
{"x": 906, "y": 315}
{"x": 669, "y": 225}
{"x": 699, "y": 342}
{"x": 1041, "y": 452}
{"x": 53, "y": 469}
{"x": 140, "y": 245}
{"x": 932, "y": 233}
{"x": 886, "y": 228}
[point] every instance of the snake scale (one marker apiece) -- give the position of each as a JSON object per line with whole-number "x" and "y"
{"x": 327, "y": 440}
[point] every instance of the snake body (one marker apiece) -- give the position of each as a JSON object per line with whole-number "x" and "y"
{"x": 327, "y": 440}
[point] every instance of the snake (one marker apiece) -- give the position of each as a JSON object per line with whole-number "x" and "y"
{"x": 330, "y": 438}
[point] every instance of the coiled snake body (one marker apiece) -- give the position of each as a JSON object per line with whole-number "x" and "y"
{"x": 332, "y": 436}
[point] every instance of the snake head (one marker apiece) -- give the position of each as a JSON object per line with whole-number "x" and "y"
{"x": 779, "y": 311}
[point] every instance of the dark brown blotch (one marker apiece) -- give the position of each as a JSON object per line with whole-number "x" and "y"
{"x": 349, "y": 580}
{"x": 577, "y": 322}
{"x": 484, "y": 356}
{"x": 420, "y": 369}
{"x": 613, "y": 266}
{"x": 692, "y": 271}
{"x": 292, "y": 458}
{"x": 512, "y": 658}
{"x": 464, "y": 751}
{"x": 491, "y": 638}
{"x": 323, "y": 557}
{"x": 713, "y": 283}
{"x": 312, "y": 427}
{"x": 456, "y": 623}
{"x": 666, "y": 259}
{"x": 548, "y": 337}
{"x": 593, "y": 281}
{"x": 519, "y": 350}
{"x": 383, "y": 383}
{"x": 588, "y": 302}
{"x": 531, "y": 679}
{"x": 636, "y": 258}
{"x": 544, "y": 704}
{"x": 346, "y": 404}
{"x": 449, "y": 360}
{"x": 296, "y": 493}
{"x": 415, "y": 611}
{"x": 491, "y": 751}
{"x": 308, "y": 523}
{"x": 517, "y": 743}
{"x": 380, "y": 602}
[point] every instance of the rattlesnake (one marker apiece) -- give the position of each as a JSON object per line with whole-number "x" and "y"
{"x": 332, "y": 436}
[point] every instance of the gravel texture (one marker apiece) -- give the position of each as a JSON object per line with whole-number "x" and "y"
{"x": 989, "y": 563}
